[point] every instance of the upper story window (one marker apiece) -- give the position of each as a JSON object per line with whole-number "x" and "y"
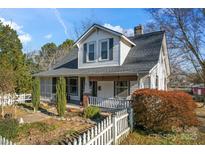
{"x": 91, "y": 51}
{"x": 104, "y": 49}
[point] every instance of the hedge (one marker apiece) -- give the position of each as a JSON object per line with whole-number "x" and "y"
{"x": 163, "y": 111}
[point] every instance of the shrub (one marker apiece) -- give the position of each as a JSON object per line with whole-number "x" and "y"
{"x": 36, "y": 94}
{"x": 163, "y": 111}
{"x": 61, "y": 96}
{"x": 9, "y": 128}
{"x": 26, "y": 128}
{"x": 91, "y": 112}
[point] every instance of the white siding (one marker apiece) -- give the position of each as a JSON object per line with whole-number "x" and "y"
{"x": 134, "y": 85}
{"x": 160, "y": 71}
{"x": 97, "y": 36}
{"x": 124, "y": 50}
{"x": 107, "y": 89}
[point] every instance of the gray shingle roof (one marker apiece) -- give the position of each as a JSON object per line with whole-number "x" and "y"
{"x": 140, "y": 59}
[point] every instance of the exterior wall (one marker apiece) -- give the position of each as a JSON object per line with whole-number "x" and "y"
{"x": 162, "y": 73}
{"x": 134, "y": 85}
{"x": 158, "y": 70}
{"x": 124, "y": 50}
{"x": 97, "y": 36}
{"x": 107, "y": 89}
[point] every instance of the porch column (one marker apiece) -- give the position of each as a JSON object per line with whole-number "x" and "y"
{"x": 86, "y": 93}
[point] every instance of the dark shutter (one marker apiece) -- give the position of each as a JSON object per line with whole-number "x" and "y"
{"x": 111, "y": 48}
{"x": 84, "y": 52}
{"x": 54, "y": 85}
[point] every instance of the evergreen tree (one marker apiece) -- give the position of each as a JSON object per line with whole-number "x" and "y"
{"x": 61, "y": 96}
{"x": 11, "y": 52}
{"x": 36, "y": 94}
{"x": 66, "y": 45}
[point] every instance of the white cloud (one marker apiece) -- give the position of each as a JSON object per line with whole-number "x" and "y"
{"x": 60, "y": 20}
{"x": 48, "y": 36}
{"x": 126, "y": 32}
{"x": 24, "y": 37}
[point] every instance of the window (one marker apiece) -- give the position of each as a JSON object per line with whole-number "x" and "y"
{"x": 74, "y": 86}
{"x": 156, "y": 82}
{"x": 121, "y": 88}
{"x": 91, "y": 52}
{"x": 104, "y": 48}
{"x": 45, "y": 87}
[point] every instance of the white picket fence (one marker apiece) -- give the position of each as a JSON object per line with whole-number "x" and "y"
{"x": 109, "y": 131}
{"x": 109, "y": 103}
{"x": 4, "y": 141}
{"x": 11, "y": 99}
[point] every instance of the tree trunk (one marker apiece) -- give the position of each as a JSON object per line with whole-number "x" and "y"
{"x": 2, "y": 111}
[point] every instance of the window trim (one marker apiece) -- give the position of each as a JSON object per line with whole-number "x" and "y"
{"x": 88, "y": 51}
{"x": 108, "y": 46}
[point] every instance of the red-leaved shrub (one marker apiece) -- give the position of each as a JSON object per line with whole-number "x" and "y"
{"x": 163, "y": 111}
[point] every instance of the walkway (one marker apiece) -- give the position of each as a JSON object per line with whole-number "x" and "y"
{"x": 34, "y": 117}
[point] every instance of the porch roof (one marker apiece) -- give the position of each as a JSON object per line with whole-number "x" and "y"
{"x": 131, "y": 69}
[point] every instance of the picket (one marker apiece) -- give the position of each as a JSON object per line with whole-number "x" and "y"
{"x": 4, "y": 141}
{"x": 109, "y": 131}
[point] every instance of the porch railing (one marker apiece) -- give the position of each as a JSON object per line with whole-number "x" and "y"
{"x": 109, "y": 102}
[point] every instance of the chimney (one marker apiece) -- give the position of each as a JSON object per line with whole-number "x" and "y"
{"x": 138, "y": 30}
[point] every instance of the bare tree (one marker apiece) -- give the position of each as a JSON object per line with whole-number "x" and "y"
{"x": 81, "y": 27}
{"x": 185, "y": 35}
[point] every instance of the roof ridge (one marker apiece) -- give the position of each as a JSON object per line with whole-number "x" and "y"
{"x": 147, "y": 34}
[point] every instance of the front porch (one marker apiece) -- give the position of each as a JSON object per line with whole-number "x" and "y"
{"x": 107, "y": 87}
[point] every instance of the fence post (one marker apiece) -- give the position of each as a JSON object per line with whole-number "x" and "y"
{"x": 131, "y": 122}
{"x": 114, "y": 130}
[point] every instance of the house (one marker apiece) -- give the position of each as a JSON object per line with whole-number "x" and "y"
{"x": 108, "y": 64}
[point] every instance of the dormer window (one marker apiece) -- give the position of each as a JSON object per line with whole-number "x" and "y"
{"x": 104, "y": 49}
{"x": 91, "y": 52}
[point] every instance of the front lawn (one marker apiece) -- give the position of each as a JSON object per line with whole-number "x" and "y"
{"x": 139, "y": 137}
{"x": 48, "y": 129}
{"x": 192, "y": 137}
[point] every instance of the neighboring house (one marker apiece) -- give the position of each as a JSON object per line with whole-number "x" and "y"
{"x": 198, "y": 89}
{"x": 108, "y": 64}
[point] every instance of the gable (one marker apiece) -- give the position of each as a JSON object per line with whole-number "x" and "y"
{"x": 96, "y": 27}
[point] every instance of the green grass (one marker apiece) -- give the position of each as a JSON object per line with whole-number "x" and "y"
{"x": 25, "y": 129}
{"x": 139, "y": 137}
{"x": 10, "y": 129}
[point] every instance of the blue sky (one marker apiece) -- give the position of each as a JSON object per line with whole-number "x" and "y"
{"x": 39, "y": 26}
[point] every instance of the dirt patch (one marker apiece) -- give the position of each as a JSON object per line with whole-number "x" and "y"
{"x": 53, "y": 136}
{"x": 16, "y": 113}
